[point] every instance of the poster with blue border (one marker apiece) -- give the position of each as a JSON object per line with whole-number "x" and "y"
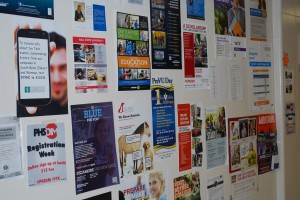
{"x": 163, "y": 117}
{"x": 30, "y": 8}
{"x": 195, "y": 9}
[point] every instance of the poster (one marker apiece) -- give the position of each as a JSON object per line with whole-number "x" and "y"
{"x": 215, "y": 188}
{"x": 187, "y": 187}
{"x": 215, "y": 125}
{"x": 135, "y": 187}
{"x": 236, "y": 82}
{"x": 89, "y": 16}
{"x": 290, "y": 118}
{"x": 230, "y": 21}
{"x": 243, "y": 184}
{"x": 94, "y": 148}
{"x": 242, "y": 137}
{"x": 289, "y": 81}
{"x": 258, "y": 20}
{"x": 163, "y": 117}
{"x": 134, "y": 137}
{"x": 46, "y": 153}
{"x": 266, "y": 142}
{"x": 196, "y": 72}
{"x": 165, "y": 34}
{"x": 195, "y": 9}
{"x": 133, "y": 52}
{"x": 30, "y": 8}
{"x": 90, "y": 64}
{"x": 158, "y": 185}
{"x": 190, "y": 120}
{"x": 39, "y": 78}
{"x": 10, "y": 147}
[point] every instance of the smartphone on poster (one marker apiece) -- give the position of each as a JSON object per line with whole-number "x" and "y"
{"x": 33, "y": 64}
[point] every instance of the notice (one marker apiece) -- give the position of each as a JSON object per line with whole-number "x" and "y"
{"x": 290, "y": 118}
{"x": 258, "y": 20}
{"x": 89, "y": 16}
{"x": 195, "y": 9}
{"x": 196, "y": 72}
{"x": 134, "y": 133}
{"x": 10, "y": 147}
{"x": 90, "y": 71}
{"x": 215, "y": 188}
{"x": 236, "y": 83}
{"x": 163, "y": 117}
{"x": 289, "y": 81}
{"x": 30, "y": 8}
{"x": 187, "y": 186}
{"x": 215, "y": 125}
{"x": 166, "y": 34}
{"x": 133, "y": 52}
{"x": 46, "y": 153}
{"x": 94, "y": 147}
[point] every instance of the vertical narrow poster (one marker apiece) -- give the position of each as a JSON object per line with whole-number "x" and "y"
{"x": 258, "y": 20}
{"x": 266, "y": 142}
{"x": 46, "y": 153}
{"x": 90, "y": 65}
{"x": 166, "y": 34}
{"x": 215, "y": 125}
{"x": 196, "y": 72}
{"x": 195, "y": 9}
{"x": 187, "y": 187}
{"x": 290, "y": 118}
{"x": 215, "y": 188}
{"x": 133, "y": 52}
{"x": 134, "y": 137}
{"x": 94, "y": 148}
{"x": 10, "y": 147}
{"x": 163, "y": 115}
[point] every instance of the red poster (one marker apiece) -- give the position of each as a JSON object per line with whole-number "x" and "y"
{"x": 185, "y": 155}
{"x": 189, "y": 63}
{"x": 184, "y": 115}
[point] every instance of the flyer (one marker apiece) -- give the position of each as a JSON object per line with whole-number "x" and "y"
{"x": 46, "y": 153}
{"x": 88, "y": 15}
{"x": 266, "y": 142}
{"x": 195, "y": 9}
{"x": 10, "y": 147}
{"x": 243, "y": 184}
{"x": 187, "y": 186}
{"x": 166, "y": 34}
{"x": 90, "y": 64}
{"x": 190, "y": 120}
{"x": 30, "y": 8}
{"x": 215, "y": 188}
{"x": 258, "y": 20}
{"x": 290, "y": 118}
{"x": 289, "y": 81}
{"x": 163, "y": 117}
{"x": 242, "y": 137}
{"x": 135, "y": 188}
{"x": 196, "y": 72}
{"x": 133, "y": 52}
{"x": 215, "y": 125}
{"x": 134, "y": 137}
{"x": 41, "y": 73}
{"x": 94, "y": 148}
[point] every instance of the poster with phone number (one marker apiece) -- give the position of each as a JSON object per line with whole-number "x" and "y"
{"x": 163, "y": 115}
{"x": 31, "y": 8}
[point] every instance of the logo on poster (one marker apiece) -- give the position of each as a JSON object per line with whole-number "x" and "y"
{"x": 49, "y": 131}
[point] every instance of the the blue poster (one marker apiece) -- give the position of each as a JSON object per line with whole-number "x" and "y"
{"x": 195, "y": 9}
{"x": 163, "y": 115}
{"x": 31, "y": 8}
{"x": 94, "y": 146}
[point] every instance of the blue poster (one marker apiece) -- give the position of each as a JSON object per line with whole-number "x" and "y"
{"x": 195, "y": 9}
{"x": 99, "y": 18}
{"x": 163, "y": 115}
{"x": 31, "y": 8}
{"x": 94, "y": 146}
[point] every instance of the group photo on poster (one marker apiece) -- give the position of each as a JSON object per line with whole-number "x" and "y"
{"x": 133, "y": 52}
{"x": 46, "y": 153}
{"x": 134, "y": 137}
{"x": 165, "y": 34}
{"x": 89, "y": 16}
{"x": 94, "y": 147}
{"x": 41, "y": 67}
{"x": 90, "y": 64}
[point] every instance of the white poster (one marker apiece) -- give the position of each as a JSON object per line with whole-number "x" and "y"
{"x": 215, "y": 188}
{"x": 10, "y": 147}
{"x": 258, "y": 20}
